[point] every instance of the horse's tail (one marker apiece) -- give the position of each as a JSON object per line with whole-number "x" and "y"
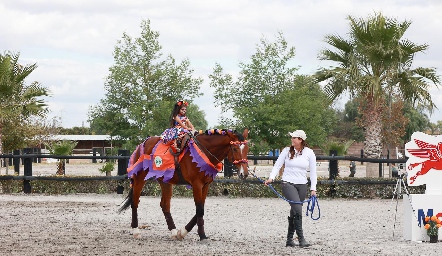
{"x": 127, "y": 201}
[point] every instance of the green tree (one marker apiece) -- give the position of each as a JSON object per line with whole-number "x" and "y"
{"x": 339, "y": 145}
{"x": 418, "y": 120}
{"x": 439, "y": 127}
{"x": 142, "y": 88}
{"x": 75, "y": 131}
{"x": 19, "y": 102}
{"x": 270, "y": 99}
{"x": 347, "y": 127}
{"x": 374, "y": 65}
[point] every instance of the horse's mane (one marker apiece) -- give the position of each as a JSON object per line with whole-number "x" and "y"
{"x": 222, "y": 132}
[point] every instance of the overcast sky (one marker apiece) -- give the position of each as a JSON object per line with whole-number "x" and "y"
{"x": 72, "y": 41}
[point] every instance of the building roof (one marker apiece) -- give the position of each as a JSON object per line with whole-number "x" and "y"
{"x": 82, "y": 137}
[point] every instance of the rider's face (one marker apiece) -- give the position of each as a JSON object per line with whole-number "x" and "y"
{"x": 183, "y": 111}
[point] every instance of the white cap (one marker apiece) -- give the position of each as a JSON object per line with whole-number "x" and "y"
{"x": 299, "y": 134}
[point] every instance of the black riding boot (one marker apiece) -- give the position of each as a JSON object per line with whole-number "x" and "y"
{"x": 299, "y": 232}
{"x": 290, "y": 233}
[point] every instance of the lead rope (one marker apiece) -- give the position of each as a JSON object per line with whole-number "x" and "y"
{"x": 313, "y": 200}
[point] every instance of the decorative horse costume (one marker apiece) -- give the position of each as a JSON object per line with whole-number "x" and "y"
{"x": 196, "y": 166}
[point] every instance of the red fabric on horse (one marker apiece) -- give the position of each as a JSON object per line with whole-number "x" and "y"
{"x": 161, "y": 162}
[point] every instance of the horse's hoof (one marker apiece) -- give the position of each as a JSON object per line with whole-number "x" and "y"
{"x": 174, "y": 234}
{"x": 136, "y": 233}
{"x": 204, "y": 238}
{"x": 181, "y": 234}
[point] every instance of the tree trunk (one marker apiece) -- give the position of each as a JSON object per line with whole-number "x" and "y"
{"x": 373, "y": 139}
{"x": 1, "y": 150}
{"x": 372, "y": 170}
{"x": 373, "y": 133}
{"x": 1, "y": 144}
{"x": 61, "y": 166}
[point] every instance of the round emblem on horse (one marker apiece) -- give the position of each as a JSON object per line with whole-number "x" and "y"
{"x": 158, "y": 161}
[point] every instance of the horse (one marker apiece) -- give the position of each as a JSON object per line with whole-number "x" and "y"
{"x": 197, "y": 166}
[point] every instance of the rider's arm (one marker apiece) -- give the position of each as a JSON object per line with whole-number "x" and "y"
{"x": 190, "y": 125}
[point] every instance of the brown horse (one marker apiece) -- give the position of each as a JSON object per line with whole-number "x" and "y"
{"x": 198, "y": 165}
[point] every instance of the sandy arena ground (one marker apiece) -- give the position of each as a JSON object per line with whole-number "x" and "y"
{"x": 88, "y": 224}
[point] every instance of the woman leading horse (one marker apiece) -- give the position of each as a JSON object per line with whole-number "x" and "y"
{"x": 196, "y": 166}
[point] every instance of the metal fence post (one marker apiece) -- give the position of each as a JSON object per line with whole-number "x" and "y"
{"x": 27, "y": 162}
{"x": 122, "y": 168}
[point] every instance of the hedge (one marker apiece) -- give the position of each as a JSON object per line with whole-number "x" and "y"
{"x": 352, "y": 188}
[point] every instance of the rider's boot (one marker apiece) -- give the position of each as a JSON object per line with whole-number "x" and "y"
{"x": 290, "y": 233}
{"x": 299, "y": 232}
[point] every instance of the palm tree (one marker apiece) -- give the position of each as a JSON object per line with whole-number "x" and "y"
{"x": 62, "y": 148}
{"x": 375, "y": 65}
{"x": 18, "y": 101}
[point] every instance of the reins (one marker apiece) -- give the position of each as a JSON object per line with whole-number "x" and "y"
{"x": 198, "y": 144}
{"x": 210, "y": 153}
{"x": 313, "y": 200}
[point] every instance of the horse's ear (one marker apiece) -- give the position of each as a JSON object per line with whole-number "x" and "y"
{"x": 245, "y": 133}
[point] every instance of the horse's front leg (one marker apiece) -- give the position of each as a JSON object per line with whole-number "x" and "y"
{"x": 166, "y": 196}
{"x": 199, "y": 196}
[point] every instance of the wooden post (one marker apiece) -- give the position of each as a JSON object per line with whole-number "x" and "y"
{"x": 227, "y": 168}
{"x": 94, "y": 153}
{"x": 381, "y": 173}
{"x": 122, "y": 168}
{"x": 333, "y": 166}
{"x": 16, "y": 162}
{"x": 27, "y": 162}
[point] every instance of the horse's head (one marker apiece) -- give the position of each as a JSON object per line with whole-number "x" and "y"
{"x": 238, "y": 153}
{"x": 218, "y": 144}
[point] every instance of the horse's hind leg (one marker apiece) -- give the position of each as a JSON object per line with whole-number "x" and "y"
{"x": 166, "y": 195}
{"x": 137, "y": 187}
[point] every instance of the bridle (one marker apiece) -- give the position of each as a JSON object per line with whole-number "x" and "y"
{"x": 232, "y": 144}
{"x": 238, "y": 143}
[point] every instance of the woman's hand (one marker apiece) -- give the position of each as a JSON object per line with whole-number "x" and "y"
{"x": 267, "y": 182}
{"x": 313, "y": 193}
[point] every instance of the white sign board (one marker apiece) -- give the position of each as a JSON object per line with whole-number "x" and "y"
{"x": 424, "y": 167}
